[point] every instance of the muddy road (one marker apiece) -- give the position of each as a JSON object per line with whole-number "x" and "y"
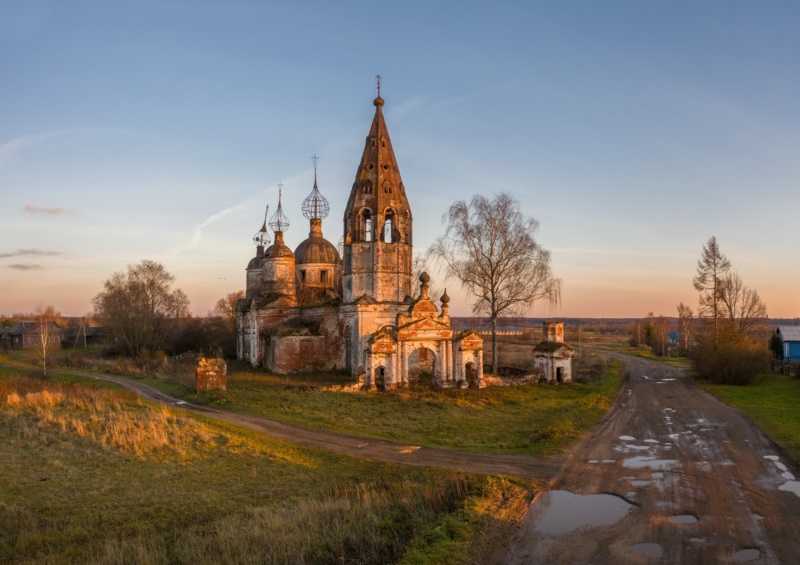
{"x": 692, "y": 481}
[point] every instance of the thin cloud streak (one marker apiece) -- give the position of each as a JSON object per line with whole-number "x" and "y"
{"x": 29, "y": 253}
{"x": 10, "y": 149}
{"x": 20, "y": 267}
{"x": 31, "y": 209}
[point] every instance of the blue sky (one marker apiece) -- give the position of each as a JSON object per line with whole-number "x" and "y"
{"x": 633, "y": 131}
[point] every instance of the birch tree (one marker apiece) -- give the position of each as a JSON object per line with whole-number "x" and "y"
{"x": 489, "y": 248}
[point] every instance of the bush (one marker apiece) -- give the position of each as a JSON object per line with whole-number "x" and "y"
{"x": 735, "y": 361}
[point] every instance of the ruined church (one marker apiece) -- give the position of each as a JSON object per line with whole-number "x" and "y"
{"x": 314, "y": 308}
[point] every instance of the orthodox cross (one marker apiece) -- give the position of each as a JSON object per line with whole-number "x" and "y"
{"x": 378, "y": 78}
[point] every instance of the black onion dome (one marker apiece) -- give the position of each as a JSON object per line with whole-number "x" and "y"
{"x": 316, "y": 250}
{"x": 255, "y": 262}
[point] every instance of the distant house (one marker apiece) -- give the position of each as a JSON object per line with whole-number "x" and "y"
{"x": 790, "y": 335}
{"x": 24, "y": 335}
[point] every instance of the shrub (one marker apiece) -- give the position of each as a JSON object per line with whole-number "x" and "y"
{"x": 735, "y": 361}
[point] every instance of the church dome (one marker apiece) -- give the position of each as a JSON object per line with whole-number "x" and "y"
{"x": 278, "y": 249}
{"x": 255, "y": 262}
{"x": 316, "y": 250}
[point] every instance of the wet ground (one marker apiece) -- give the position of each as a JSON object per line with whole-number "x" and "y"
{"x": 670, "y": 475}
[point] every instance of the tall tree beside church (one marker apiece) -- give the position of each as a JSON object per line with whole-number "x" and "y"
{"x": 712, "y": 268}
{"x": 141, "y": 307}
{"x": 489, "y": 247}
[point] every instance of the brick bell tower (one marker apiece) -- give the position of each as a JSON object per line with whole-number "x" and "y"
{"x": 377, "y": 223}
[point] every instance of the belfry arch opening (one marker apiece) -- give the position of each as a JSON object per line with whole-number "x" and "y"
{"x": 388, "y": 226}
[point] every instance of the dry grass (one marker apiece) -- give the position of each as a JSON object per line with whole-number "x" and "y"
{"x": 98, "y": 476}
{"x": 113, "y": 419}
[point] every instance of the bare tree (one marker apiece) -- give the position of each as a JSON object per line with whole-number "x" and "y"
{"x": 686, "y": 326}
{"x": 226, "y": 307}
{"x": 46, "y": 336}
{"x": 711, "y": 269}
{"x": 740, "y": 306}
{"x": 489, "y": 247}
{"x": 140, "y": 307}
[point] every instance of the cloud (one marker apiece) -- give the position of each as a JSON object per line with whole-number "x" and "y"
{"x": 31, "y": 209}
{"x": 9, "y": 149}
{"x": 28, "y": 253}
{"x": 19, "y": 267}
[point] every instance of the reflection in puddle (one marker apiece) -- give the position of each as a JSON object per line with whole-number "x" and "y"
{"x": 640, "y": 483}
{"x": 652, "y": 462}
{"x": 560, "y": 511}
{"x": 697, "y": 540}
{"x": 791, "y": 486}
{"x": 627, "y": 438}
{"x": 746, "y": 555}
{"x": 651, "y": 549}
{"x": 683, "y": 519}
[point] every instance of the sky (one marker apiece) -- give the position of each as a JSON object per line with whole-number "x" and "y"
{"x": 632, "y": 131}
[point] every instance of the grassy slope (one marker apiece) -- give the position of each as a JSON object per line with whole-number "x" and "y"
{"x": 539, "y": 419}
{"x": 90, "y": 475}
{"x": 771, "y": 403}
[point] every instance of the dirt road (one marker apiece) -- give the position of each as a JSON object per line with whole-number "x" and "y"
{"x": 524, "y": 466}
{"x": 705, "y": 485}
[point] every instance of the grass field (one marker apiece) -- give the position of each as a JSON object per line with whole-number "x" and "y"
{"x": 93, "y": 474}
{"x": 771, "y": 403}
{"x": 539, "y": 419}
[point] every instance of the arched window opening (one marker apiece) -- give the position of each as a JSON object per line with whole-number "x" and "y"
{"x": 323, "y": 276}
{"x": 388, "y": 227}
{"x": 366, "y": 226}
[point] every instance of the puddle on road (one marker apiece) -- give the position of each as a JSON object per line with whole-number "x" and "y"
{"x": 697, "y": 540}
{"x": 652, "y": 462}
{"x": 560, "y": 511}
{"x": 640, "y": 483}
{"x": 746, "y": 555}
{"x": 791, "y": 486}
{"x": 683, "y": 519}
{"x": 627, "y": 438}
{"x": 651, "y": 549}
{"x": 651, "y": 441}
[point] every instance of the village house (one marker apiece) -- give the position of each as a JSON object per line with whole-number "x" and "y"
{"x": 790, "y": 335}
{"x": 28, "y": 334}
{"x": 313, "y": 308}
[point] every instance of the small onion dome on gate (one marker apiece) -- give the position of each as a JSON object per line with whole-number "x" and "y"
{"x": 445, "y": 298}
{"x": 255, "y": 262}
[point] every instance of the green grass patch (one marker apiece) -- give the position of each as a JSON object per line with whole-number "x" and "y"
{"x": 90, "y": 474}
{"x": 771, "y": 403}
{"x": 539, "y": 419}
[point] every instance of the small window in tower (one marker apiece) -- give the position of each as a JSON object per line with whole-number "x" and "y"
{"x": 323, "y": 276}
{"x": 302, "y": 276}
{"x": 385, "y": 167}
{"x": 373, "y": 142}
{"x": 383, "y": 142}
{"x": 387, "y": 231}
{"x": 367, "y": 226}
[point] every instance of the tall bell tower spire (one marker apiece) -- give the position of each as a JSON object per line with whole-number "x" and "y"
{"x": 377, "y": 222}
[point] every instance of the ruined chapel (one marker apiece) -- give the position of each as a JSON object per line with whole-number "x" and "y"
{"x": 314, "y": 308}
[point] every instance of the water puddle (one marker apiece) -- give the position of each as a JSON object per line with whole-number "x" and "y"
{"x": 651, "y": 441}
{"x": 746, "y": 555}
{"x": 627, "y": 438}
{"x": 642, "y": 462}
{"x": 791, "y": 486}
{"x": 640, "y": 483}
{"x": 657, "y": 475}
{"x": 560, "y": 511}
{"x": 683, "y": 519}
{"x": 651, "y": 549}
{"x": 697, "y": 540}
{"x": 772, "y": 457}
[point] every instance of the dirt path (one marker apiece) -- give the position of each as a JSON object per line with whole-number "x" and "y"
{"x": 525, "y": 466}
{"x": 706, "y": 485}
